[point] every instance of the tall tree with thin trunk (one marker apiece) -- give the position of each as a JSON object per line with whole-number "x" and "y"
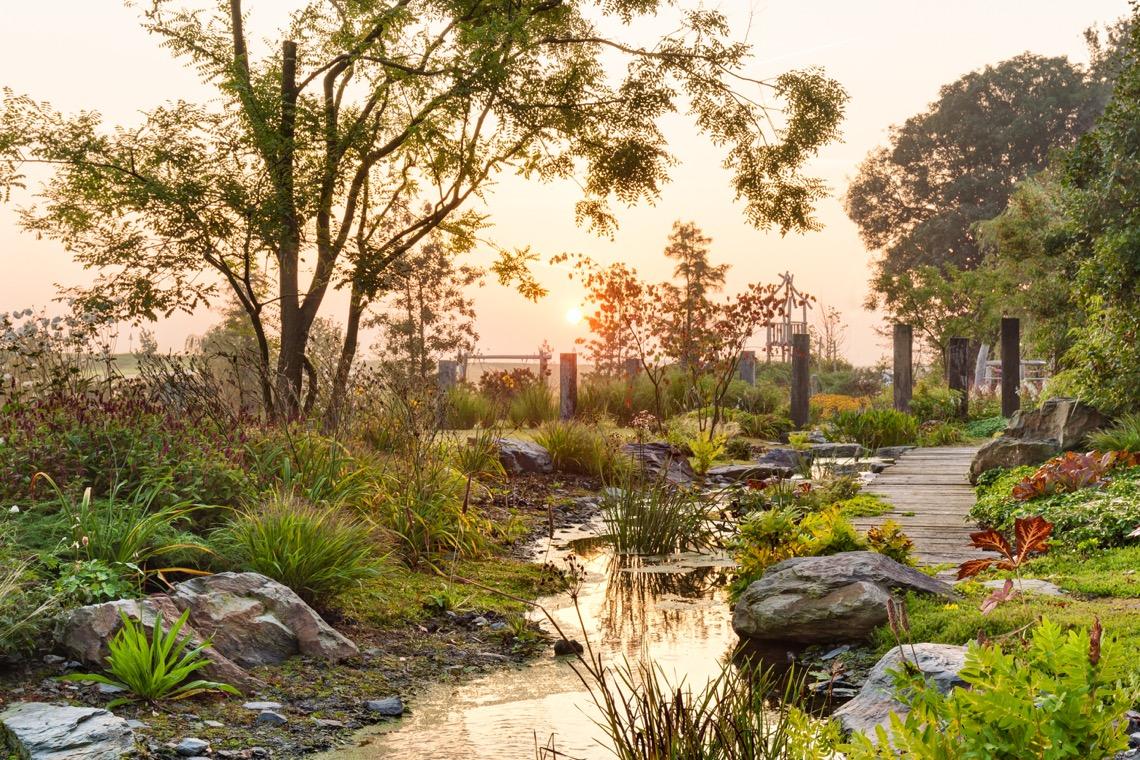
{"x": 324, "y": 157}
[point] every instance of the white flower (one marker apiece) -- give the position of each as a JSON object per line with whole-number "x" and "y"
{"x": 14, "y": 509}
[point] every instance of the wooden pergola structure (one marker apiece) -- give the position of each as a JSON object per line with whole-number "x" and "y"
{"x": 778, "y": 341}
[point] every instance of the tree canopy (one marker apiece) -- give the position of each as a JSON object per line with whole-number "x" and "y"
{"x": 326, "y": 156}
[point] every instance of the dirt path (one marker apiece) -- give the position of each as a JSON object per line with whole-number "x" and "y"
{"x": 931, "y": 497}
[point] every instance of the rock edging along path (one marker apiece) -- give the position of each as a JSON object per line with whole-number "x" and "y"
{"x": 931, "y": 494}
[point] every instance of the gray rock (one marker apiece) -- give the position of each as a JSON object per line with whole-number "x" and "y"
{"x": 328, "y": 723}
{"x": 892, "y": 452}
{"x": 518, "y": 457}
{"x": 940, "y": 663}
{"x": 259, "y": 706}
{"x": 661, "y": 460}
{"x": 86, "y": 631}
{"x": 1007, "y": 452}
{"x": 817, "y": 600}
{"x": 271, "y": 718}
{"x": 1067, "y": 421}
{"x": 838, "y": 450}
{"x": 738, "y": 472}
{"x": 190, "y": 747}
{"x": 254, "y": 620}
{"x": 389, "y": 707}
{"x": 565, "y": 647}
{"x": 785, "y": 459}
{"x": 40, "y": 731}
{"x": 54, "y": 659}
{"x": 213, "y": 724}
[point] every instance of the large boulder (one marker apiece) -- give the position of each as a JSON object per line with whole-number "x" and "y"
{"x": 661, "y": 460}
{"x": 734, "y": 473}
{"x": 872, "y": 706}
{"x": 838, "y": 451}
{"x": 1006, "y": 453}
{"x": 518, "y": 457}
{"x": 254, "y": 620}
{"x": 819, "y": 600}
{"x": 1067, "y": 421}
{"x": 250, "y": 620}
{"x": 782, "y": 459}
{"x": 39, "y": 731}
{"x": 86, "y": 632}
{"x": 1059, "y": 424}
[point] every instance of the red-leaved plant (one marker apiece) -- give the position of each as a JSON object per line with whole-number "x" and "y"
{"x": 1031, "y": 536}
{"x": 1072, "y": 471}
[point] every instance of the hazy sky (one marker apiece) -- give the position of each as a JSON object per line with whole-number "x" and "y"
{"x": 891, "y": 55}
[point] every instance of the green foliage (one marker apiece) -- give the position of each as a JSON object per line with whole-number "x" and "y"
{"x": 986, "y": 427}
{"x": 706, "y": 450}
{"x": 889, "y": 540}
{"x": 763, "y": 398}
{"x": 940, "y": 433}
{"x": 1091, "y": 573}
{"x": 466, "y": 408}
{"x": 656, "y": 519}
{"x": 931, "y": 401}
{"x": 1064, "y": 695}
{"x": 533, "y": 405}
{"x": 863, "y": 505}
{"x": 768, "y": 427}
{"x": 317, "y": 469}
{"x": 93, "y": 581}
{"x": 478, "y": 456}
{"x": 26, "y": 607}
{"x": 317, "y": 551}
{"x": 1123, "y": 435}
{"x": 874, "y": 428}
{"x": 125, "y": 531}
{"x": 730, "y": 718}
{"x": 1088, "y": 518}
{"x": 738, "y": 448}
{"x": 583, "y": 449}
{"x": 155, "y": 669}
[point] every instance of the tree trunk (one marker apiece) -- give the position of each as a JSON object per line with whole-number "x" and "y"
{"x": 339, "y": 391}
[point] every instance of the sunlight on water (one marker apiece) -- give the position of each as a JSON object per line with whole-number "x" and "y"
{"x": 673, "y": 613}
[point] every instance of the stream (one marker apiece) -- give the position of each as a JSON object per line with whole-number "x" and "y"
{"x": 671, "y": 611}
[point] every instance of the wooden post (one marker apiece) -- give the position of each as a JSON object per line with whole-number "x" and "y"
{"x": 748, "y": 367}
{"x": 448, "y": 374}
{"x": 903, "y": 380}
{"x": 1010, "y": 365}
{"x": 543, "y": 366}
{"x": 801, "y": 379}
{"x": 958, "y": 368}
{"x": 567, "y": 385}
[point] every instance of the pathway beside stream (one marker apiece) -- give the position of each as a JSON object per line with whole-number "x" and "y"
{"x": 932, "y": 496}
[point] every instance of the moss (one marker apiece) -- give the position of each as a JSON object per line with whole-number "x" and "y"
{"x": 864, "y": 505}
{"x": 1106, "y": 573}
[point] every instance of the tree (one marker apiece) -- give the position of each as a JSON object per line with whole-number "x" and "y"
{"x": 1101, "y": 178}
{"x": 916, "y": 201}
{"x": 321, "y": 161}
{"x": 828, "y": 338}
{"x": 426, "y": 314}
{"x": 687, "y": 305}
{"x": 616, "y": 293}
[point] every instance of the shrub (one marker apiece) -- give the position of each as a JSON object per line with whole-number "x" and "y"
{"x": 863, "y": 505}
{"x": 317, "y": 469}
{"x": 940, "y": 433}
{"x": 502, "y": 385}
{"x": 121, "y": 531}
{"x": 25, "y": 608}
{"x": 984, "y": 404}
{"x": 155, "y": 669}
{"x": 425, "y": 516}
{"x": 93, "y": 581}
{"x": 317, "y": 551}
{"x": 602, "y": 398}
{"x": 1064, "y": 695}
{"x": 581, "y": 449}
{"x": 823, "y": 406}
{"x": 465, "y": 408}
{"x": 533, "y": 405}
{"x": 738, "y": 448}
{"x": 1124, "y": 435}
{"x": 875, "y": 428}
{"x": 769, "y": 427}
{"x": 659, "y": 519}
{"x": 934, "y": 402}
{"x": 986, "y": 427}
{"x": 706, "y": 450}
{"x": 889, "y": 540}
{"x": 1084, "y": 519}
{"x": 761, "y": 398}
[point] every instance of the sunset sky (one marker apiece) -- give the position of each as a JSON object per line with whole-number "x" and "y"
{"x": 890, "y": 55}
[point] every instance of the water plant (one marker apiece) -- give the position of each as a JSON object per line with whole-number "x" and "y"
{"x": 154, "y": 669}
{"x": 658, "y": 519}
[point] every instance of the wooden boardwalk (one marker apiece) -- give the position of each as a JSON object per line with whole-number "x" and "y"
{"x": 931, "y": 496}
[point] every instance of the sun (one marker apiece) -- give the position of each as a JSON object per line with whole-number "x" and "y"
{"x": 574, "y": 315}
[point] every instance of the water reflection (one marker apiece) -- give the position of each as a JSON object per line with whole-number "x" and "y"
{"x": 669, "y": 611}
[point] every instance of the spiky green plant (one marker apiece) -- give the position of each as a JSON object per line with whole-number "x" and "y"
{"x": 157, "y": 668}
